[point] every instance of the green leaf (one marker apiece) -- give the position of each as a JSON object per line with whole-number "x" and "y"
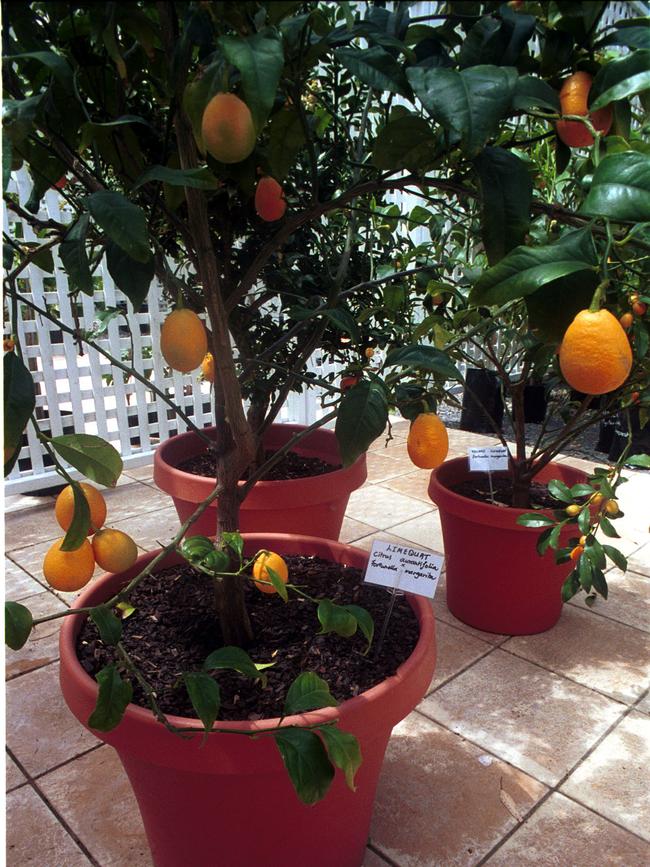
{"x": 599, "y": 582}
{"x": 123, "y": 222}
{"x": 19, "y": 116}
{"x": 532, "y": 92}
{"x": 470, "y": 102}
{"x": 55, "y": 63}
{"x": 131, "y": 277}
{"x": 544, "y": 540}
{"x": 552, "y": 308}
{"x": 308, "y": 692}
{"x": 112, "y": 700}
{"x": 362, "y": 417}
{"x": 608, "y": 528}
{"x": 260, "y": 59}
{"x": 335, "y": 618}
{"x": 198, "y": 179}
{"x": 344, "y": 751}
{"x": 306, "y": 761}
{"x": 570, "y": 586}
{"x": 581, "y": 490}
{"x": 620, "y": 79}
{"x": 74, "y": 257}
{"x": 365, "y": 622}
{"x": 343, "y": 321}
{"x": 233, "y": 541}
{"x": 559, "y": 491}
{"x": 109, "y": 626}
{"x": 236, "y": 659}
{"x": 616, "y": 557}
{"x": 526, "y": 269}
{"x": 620, "y": 188}
{"x": 78, "y": 529}
{"x": 535, "y": 520}
{"x": 423, "y": 357}
{"x": 584, "y": 521}
{"x": 286, "y": 140}
{"x": 506, "y": 192}
{"x": 406, "y": 142}
{"x": 638, "y": 461}
{"x": 18, "y": 624}
{"x": 7, "y": 159}
{"x": 19, "y": 399}
{"x": 98, "y": 460}
{"x": 375, "y": 67}
{"x": 205, "y": 696}
{"x": 633, "y": 37}
{"x": 596, "y": 553}
{"x": 585, "y": 572}
{"x": 278, "y": 584}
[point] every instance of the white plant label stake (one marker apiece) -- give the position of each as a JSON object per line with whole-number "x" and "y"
{"x": 488, "y": 459}
{"x": 404, "y": 570}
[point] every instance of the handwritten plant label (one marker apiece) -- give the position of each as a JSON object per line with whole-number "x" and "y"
{"x": 488, "y": 459}
{"x": 403, "y": 568}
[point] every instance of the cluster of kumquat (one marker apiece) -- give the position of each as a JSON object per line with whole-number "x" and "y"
{"x": 110, "y": 549}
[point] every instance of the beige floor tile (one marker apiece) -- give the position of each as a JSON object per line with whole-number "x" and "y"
{"x": 538, "y": 721}
{"x": 29, "y": 527}
{"x": 639, "y": 560}
{"x": 42, "y": 646}
{"x": 34, "y": 835}
{"x": 18, "y": 502}
{"x": 633, "y": 497}
{"x": 644, "y": 704}
{"x": 382, "y": 508}
{"x": 423, "y": 531}
{"x": 414, "y": 484}
{"x": 579, "y": 464}
{"x": 615, "y": 779}
{"x": 110, "y": 827}
{"x": 41, "y": 731}
{"x": 151, "y": 530}
{"x": 395, "y": 448}
{"x": 382, "y": 467}
{"x": 440, "y": 800}
{"x": 18, "y": 583}
{"x": 562, "y": 832}
{"x": 599, "y": 653}
{"x": 132, "y": 499}
{"x": 456, "y": 650}
{"x": 628, "y": 600}
{"x": 142, "y": 474}
{"x": 373, "y": 860}
{"x": 351, "y": 530}
{"x": 14, "y": 775}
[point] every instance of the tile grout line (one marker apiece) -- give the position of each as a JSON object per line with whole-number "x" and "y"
{"x": 374, "y": 848}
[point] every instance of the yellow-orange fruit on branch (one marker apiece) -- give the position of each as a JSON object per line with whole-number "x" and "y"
{"x": 270, "y": 203}
{"x": 595, "y": 354}
{"x": 183, "y": 340}
{"x": 69, "y": 570}
{"x": 428, "y": 442}
{"x": 227, "y": 128}
{"x": 207, "y": 367}
{"x": 574, "y": 98}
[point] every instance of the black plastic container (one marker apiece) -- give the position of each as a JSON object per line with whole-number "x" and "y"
{"x": 485, "y": 385}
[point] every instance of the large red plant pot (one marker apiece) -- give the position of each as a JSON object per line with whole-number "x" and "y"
{"x": 313, "y": 506}
{"x": 495, "y": 579}
{"x": 228, "y": 802}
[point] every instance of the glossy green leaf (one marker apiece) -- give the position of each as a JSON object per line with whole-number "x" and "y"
{"x": 526, "y": 269}
{"x": 123, "y": 222}
{"x": 308, "y": 692}
{"x": 406, "y": 142}
{"x": 95, "y": 458}
{"x": 638, "y": 461}
{"x": 19, "y": 398}
{"x": 205, "y": 696}
{"x": 616, "y": 557}
{"x": 131, "y": 277}
{"x": 343, "y": 321}
{"x": 233, "y": 541}
{"x": 19, "y": 116}
{"x": 362, "y": 417}
{"x": 74, "y": 257}
{"x": 470, "y": 102}
{"x": 544, "y": 540}
{"x": 365, "y": 622}
{"x": 585, "y": 572}
{"x": 560, "y": 491}
{"x": 113, "y": 697}
{"x": 620, "y": 79}
{"x": 532, "y": 92}
{"x": 506, "y": 190}
{"x": 335, "y": 618}
{"x": 7, "y": 159}
{"x": 259, "y": 59}
{"x": 570, "y": 586}
{"x": 376, "y": 68}
{"x": 581, "y": 490}
{"x": 18, "y": 624}
{"x": 109, "y": 626}
{"x": 599, "y": 582}
{"x": 535, "y": 520}
{"x": 238, "y": 660}
{"x": 286, "y": 140}
{"x": 306, "y": 761}
{"x": 78, "y": 529}
{"x": 608, "y": 528}
{"x": 278, "y": 583}
{"x": 584, "y": 521}
{"x": 199, "y": 179}
{"x": 595, "y": 552}
{"x": 344, "y": 752}
{"x": 55, "y": 63}
{"x": 620, "y": 188}
{"x": 632, "y": 37}
{"x": 426, "y": 358}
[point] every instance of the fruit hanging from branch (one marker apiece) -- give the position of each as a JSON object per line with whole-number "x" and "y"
{"x": 595, "y": 354}
{"x": 270, "y": 203}
{"x": 574, "y": 98}
{"x": 183, "y": 340}
{"x": 227, "y": 128}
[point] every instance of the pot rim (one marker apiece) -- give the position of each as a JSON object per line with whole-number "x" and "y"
{"x": 72, "y": 624}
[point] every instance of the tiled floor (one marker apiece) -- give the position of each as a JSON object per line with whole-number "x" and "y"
{"x": 526, "y": 751}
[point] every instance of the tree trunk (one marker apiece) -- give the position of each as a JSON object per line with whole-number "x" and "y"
{"x": 521, "y": 482}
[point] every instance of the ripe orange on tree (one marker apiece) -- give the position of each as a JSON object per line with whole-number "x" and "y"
{"x": 69, "y": 570}
{"x": 595, "y": 354}
{"x": 270, "y": 203}
{"x": 576, "y": 553}
{"x": 265, "y": 561}
{"x": 8, "y": 343}
{"x": 207, "y": 367}
{"x": 183, "y": 340}
{"x": 640, "y": 308}
{"x": 347, "y": 382}
{"x": 64, "y": 507}
{"x": 428, "y": 442}
{"x": 626, "y": 320}
{"x": 227, "y": 128}
{"x": 574, "y": 98}
{"x": 114, "y": 550}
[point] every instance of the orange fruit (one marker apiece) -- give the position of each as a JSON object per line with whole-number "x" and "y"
{"x": 183, "y": 340}
{"x": 576, "y": 553}
{"x": 349, "y": 381}
{"x": 572, "y": 510}
{"x": 595, "y": 354}
{"x": 596, "y": 499}
{"x": 369, "y": 352}
{"x": 227, "y": 128}
{"x": 207, "y": 367}
{"x": 427, "y": 443}
{"x": 64, "y": 507}
{"x": 114, "y": 550}
{"x": 626, "y": 320}
{"x": 261, "y": 573}
{"x": 640, "y": 308}
{"x": 8, "y": 344}
{"x": 611, "y": 507}
{"x": 69, "y": 570}
{"x": 582, "y": 541}
{"x": 270, "y": 203}
{"x": 574, "y": 97}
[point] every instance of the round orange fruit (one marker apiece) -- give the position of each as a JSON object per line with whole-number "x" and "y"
{"x": 69, "y": 570}
{"x": 183, "y": 340}
{"x": 261, "y": 567}
{"x": 595, "y": 354}
{"x": 574, "y": 98}
{"x": 114, "y": 550}
{"x": 427, "y": 443}
{"x": 207, "y": 367}
{"x": 227, "y": 128}
{"x": 64, "y": 507}
{"x": 270, "y": 203}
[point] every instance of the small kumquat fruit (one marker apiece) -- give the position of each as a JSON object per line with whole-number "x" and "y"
{"x": 114, "y": 550}
{"x": 612, "y": 507}
{"x": 639, "y": 308}
{"x": 64, "y": 507}
{"x": 268, "y": 560}
{"x": 573, "y": 510}
{"x": 207, "y": 367}
{"x": 69, "y": 570}
{"x": 576, "y": 553}
{"x": 626, "y": 320}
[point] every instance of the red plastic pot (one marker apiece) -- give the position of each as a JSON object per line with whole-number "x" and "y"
{"x": 313, "y": 506}
{"x": 496, "y": 581}
{"x": 229, "y": 802}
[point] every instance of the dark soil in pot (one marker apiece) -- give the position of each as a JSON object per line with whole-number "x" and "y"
{"x": 173, "y": 630}
{"x": 479, "y": 489}
{"x": 291, "y": 466}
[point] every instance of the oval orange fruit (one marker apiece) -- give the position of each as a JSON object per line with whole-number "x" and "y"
{"x": 574, "y": 98}
{"x": 64, "y": 507}
{"x": 270, "y": 203}
{"x": 207, "y": 367}
{"x": 595, "y": 354}
{"x": 427, "y": 443}
{"x": 227, "y": 128}
{"x": 183, "y": 340}
{"x": 261, "y": 566}
{"x": 114, "y": 550}
{"x": 69, "y": 570}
